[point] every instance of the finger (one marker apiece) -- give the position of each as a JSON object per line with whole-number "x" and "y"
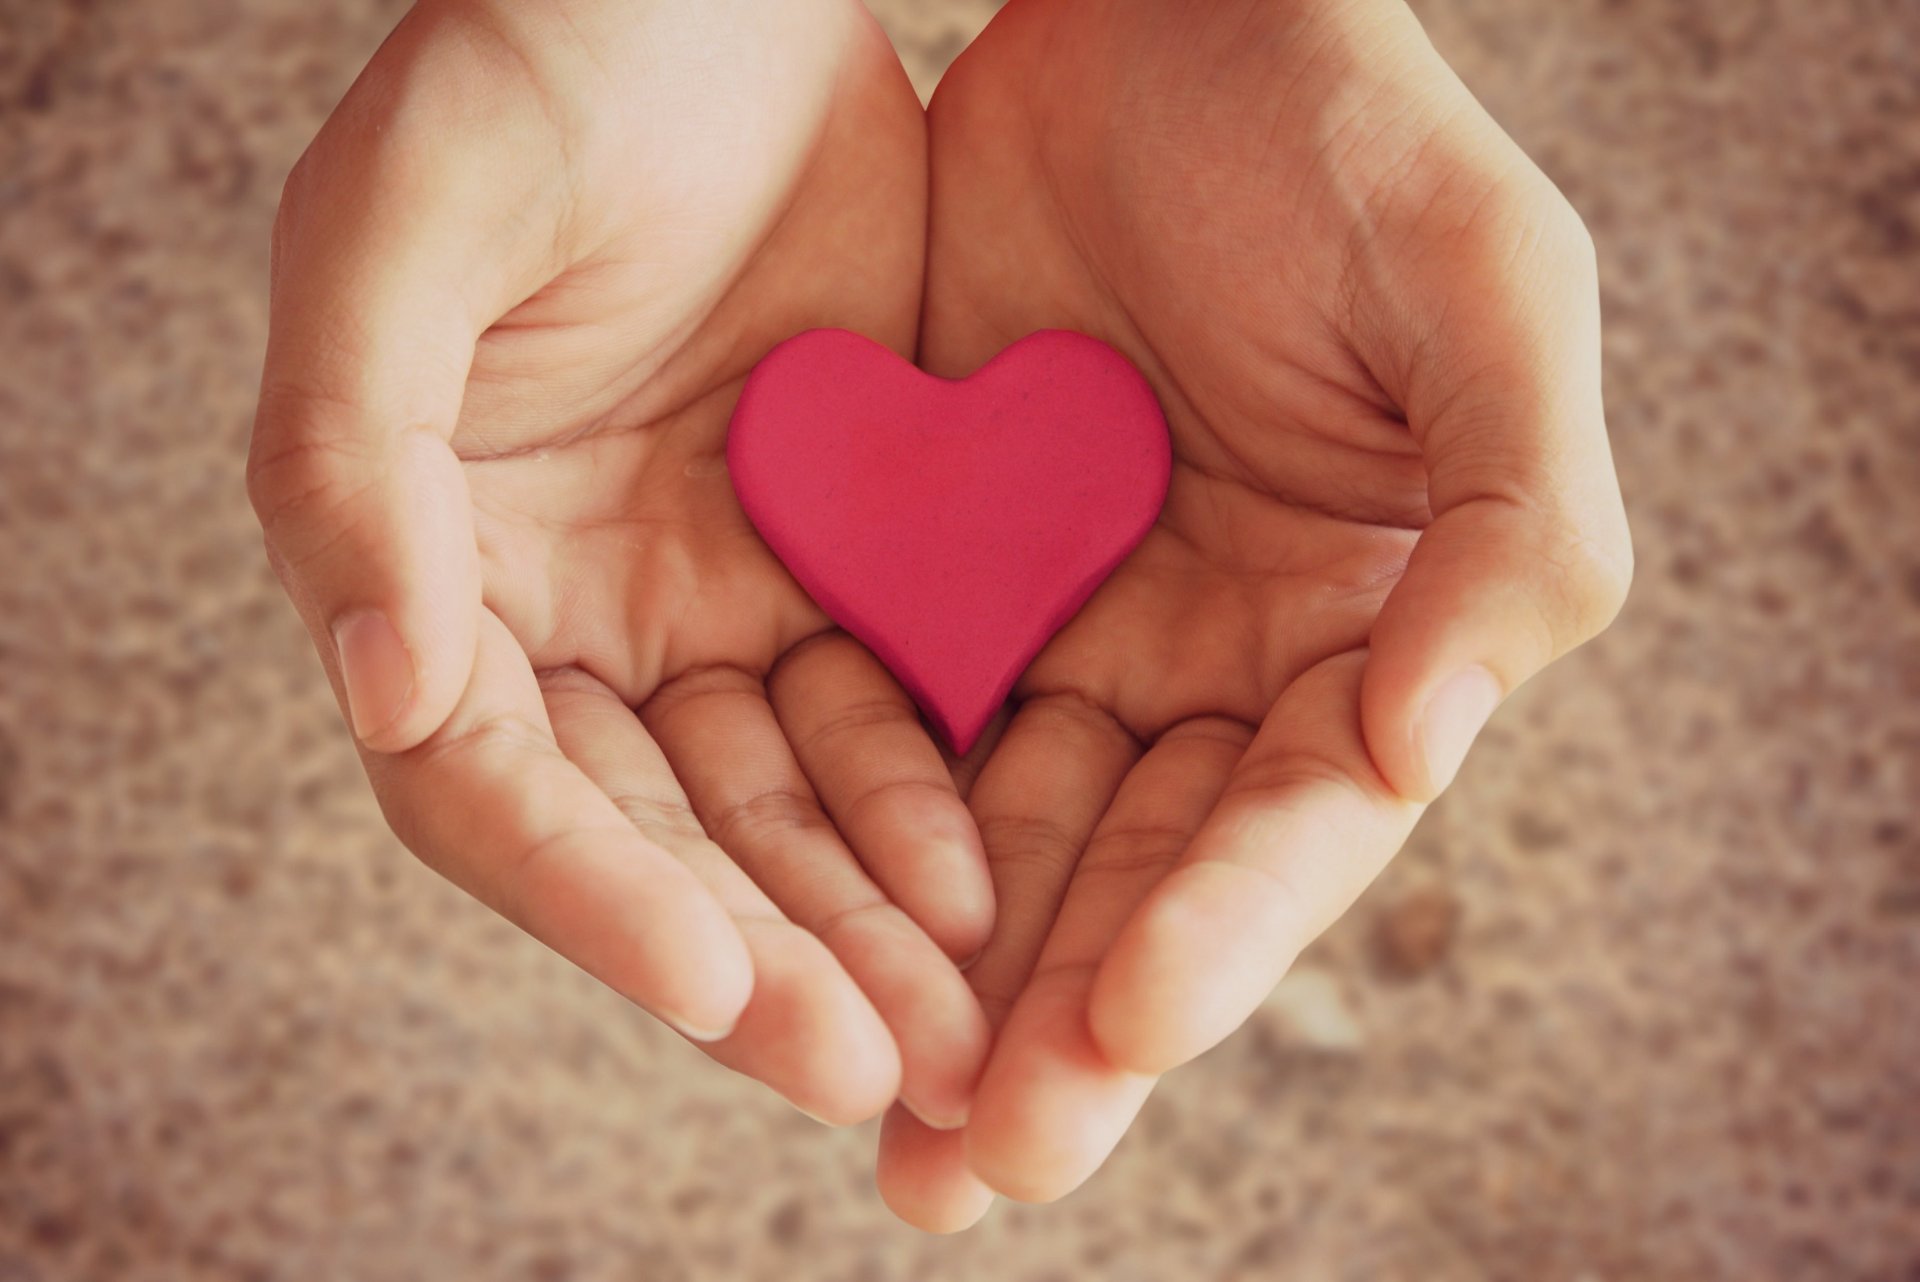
{"x": 923, "y": 1177}
{"x": 492, "y": 804}
{"x": 1037, "y": 800}
{"x": 388, "y": 264}
{"x": 750, "y": 795}
{"x": 1304, "y": 825}
{"x": 1051, "y": 1107}
{"x": 807, "y": 1031}
{"x": 1527, "y": 554}
{"x": 880, "y": 776}
{"x": 966, "y": 768}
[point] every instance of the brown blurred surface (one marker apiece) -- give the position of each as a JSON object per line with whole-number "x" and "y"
{"x": 1637, "y": 1003}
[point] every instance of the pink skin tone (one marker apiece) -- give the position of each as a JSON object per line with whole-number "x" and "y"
{"x": 1374, "y": 326}
{"x": 518, "y": 278}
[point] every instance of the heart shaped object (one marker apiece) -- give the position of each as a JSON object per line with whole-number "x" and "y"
{"x": 953, "y": 526}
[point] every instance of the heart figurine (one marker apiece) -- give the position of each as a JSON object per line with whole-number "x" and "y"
{"x": 952, "y": 525}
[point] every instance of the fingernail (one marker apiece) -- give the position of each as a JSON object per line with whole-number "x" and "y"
{"x": 375, "y": 668}
{"x": 694, "y": 1033}
{"x": 944, "y": 1124}
{"x": 1455, "y": 713}
{"x": 966, "y": 963}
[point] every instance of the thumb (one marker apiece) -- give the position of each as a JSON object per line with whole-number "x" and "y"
{"x": 1527, "y": 554}
{"x": 368, "y": 525}
{"x": 388, "y": 265}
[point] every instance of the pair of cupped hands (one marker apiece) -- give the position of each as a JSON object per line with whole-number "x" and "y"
{"x": 518, "y": 280}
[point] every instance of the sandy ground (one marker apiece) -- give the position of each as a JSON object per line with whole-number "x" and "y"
{"x": 1638, "y": 1002}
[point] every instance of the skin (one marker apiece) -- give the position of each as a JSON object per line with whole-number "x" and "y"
{"x": 1374, "y": 327}
{"x": 517, "y": 281}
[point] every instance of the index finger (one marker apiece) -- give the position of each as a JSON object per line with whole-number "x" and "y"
{"x": 1305, "y": 823}
{"x": 401, "y": 236}
{"x": 1527, "y": 554}
{"x": 490, "y": 803}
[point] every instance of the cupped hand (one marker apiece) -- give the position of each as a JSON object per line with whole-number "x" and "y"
{"x": 1374, "y": 327}
{"x": 518, "y": 279}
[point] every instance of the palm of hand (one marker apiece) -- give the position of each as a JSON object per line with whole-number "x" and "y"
{"x": 1281, "y": 220}
{"x": 1197, "y": 728}
{"x": 1190, "y": 238}
{"x": 606, "y": 519}
{"x": 666, "y": 228}
{"x": 593, "y": 426}
{"x": 613, "y": 545}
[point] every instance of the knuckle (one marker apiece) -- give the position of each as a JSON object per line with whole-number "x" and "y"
{"x": 905, "y": 792}
{"x": 698, "y": 688}
{"x": 278, "y": 476}
{"x": 479, "y": 748}
{"x": 1144, "y": 848}
{"x": 1043, "y": 845}
{"x": 1208, "y": 734}
{"x": 665, "y": 818}
{"x": 1074, "y": 719}
{"x": 510, "y": 887}
{"x": 1525, "y": 225}
{"x": 874, "y": 914}
{"x": 1562, "y": 233}
{"x": 853, "y": 719}
{"x": 1279, "y": 782}
{"x": 1575, "y": 240}
{"x": 1564, "y": 249}
{"x": 1597, "y": 575}
{"x": 297, "y": 486}
{"x": 752, "y": 821}
{"x": 448, "y": 764}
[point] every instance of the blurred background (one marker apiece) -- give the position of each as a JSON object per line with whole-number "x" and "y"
{"x": 1638, "y": 1002}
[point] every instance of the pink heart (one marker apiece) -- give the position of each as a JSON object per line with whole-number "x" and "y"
{"x": 953, "y": 526}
